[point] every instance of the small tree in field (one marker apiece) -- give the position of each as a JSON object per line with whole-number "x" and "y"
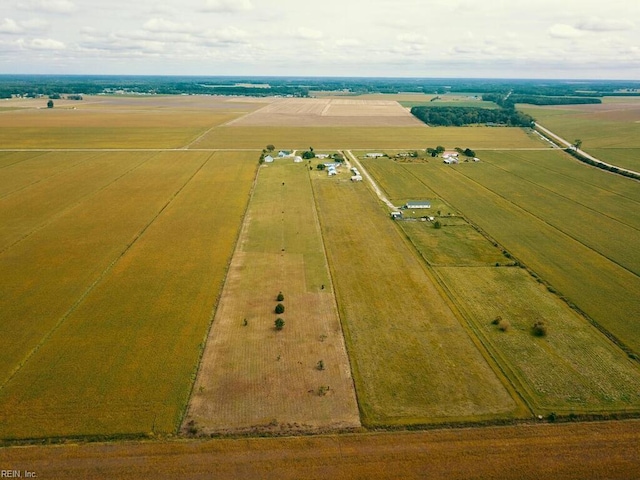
{"x": 279, "y": 323}
{"x": 270, "y": 148}
{"x": 280, "y": 297}
{"x": 437, "y": 224}
{"x": 539, "y": 329}
{"x": 279, "y": 308}
{"x": 50, "y": 104}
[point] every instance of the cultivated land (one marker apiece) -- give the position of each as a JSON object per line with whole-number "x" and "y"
{"x": 561, "y": 452}
{"x": 610, "y": 131}
{"x": 330, "y": 112}
{"x": 108, "y": 292}
{"x": 413, "y": 361}
{"x": 112, "y": 263}
{"x": 254, "y": 377}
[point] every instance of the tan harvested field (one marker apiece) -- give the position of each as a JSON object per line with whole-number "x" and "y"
{"x": 107, "y": 293}
{"x": 601, "y": 450}
{"x": 330, "y": 112}
{"x": 116, "y": 122}
{"x": 413, "y": 361}
{"x": 254, "y": 377}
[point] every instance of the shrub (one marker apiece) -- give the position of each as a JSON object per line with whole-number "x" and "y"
{"x": 279, "y": 323}
{"x": 280, "y": 297}
{"x": 539, "y": 329}
{"x": 496, "y": 320}
{"x": 437, "y": 224}
{"x": 320, "y": 365}
{"x": 504, "y": 325}
{"x": 279, "y": 308}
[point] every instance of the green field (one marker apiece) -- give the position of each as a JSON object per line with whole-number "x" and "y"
{"x": 412, "y": 360}
{"x": 106, "y": 301}
{"x": 550, "y": 244}
{"x": 573, "y": 369}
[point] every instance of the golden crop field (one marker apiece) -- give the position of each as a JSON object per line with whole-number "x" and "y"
{"x": 374, "y": 138}
{"x": 413, "y": 361}
{"x": 106, "y": 303}
{"x": 253, "y": 377}
{"x": 565, "y": 451}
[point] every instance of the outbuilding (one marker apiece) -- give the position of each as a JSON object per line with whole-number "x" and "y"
{"x": 356, "y": 178}
{"x": 268, "y": 159}
{"x": 375, "y": 155}
{"x": 395, "y": 215}
{"x": 417, "y": 204}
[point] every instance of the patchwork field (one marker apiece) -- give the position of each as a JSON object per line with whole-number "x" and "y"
{"x": 539, "y": 227}
{"x": 413, "y": 362}
{"x": 298, "y": 112}
{"x": 605, "y": 129}
{"x": 108, "y": 292}
{"x": 254, "y": 377}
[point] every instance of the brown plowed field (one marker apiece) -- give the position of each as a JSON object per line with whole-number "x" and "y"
{"x": 564, "y": 451}
{"x": 314, "y": 112}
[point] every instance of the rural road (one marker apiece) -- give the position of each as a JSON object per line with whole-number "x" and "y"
{"x": 352, "y": 158}
{"x": 565, "y": 144}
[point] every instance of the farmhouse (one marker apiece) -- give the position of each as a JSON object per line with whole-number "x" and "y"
{"x": 450, "y": 160}
{"x": 284, "y": 153}
{"x": 418, "y": 204}
{"x": 297, "y": 159}
{"x": 449, "y": 154}
{"x": 375, "y": 155}
{"x": 332, "y": 170}
{"x": 268, "y": 159}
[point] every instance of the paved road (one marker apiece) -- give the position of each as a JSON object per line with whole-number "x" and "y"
{"x": 565, "y": 144}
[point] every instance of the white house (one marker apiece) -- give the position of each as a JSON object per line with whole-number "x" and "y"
{"x": 322, "y": 156}
{"x": 356, "y": 178}
{"x": 450, "y": 160}
{"x": 268, "y": 159}
{"x": 284, "y": 153}
{"x": 297, "y": 159}
{"x": 374, "y": 155}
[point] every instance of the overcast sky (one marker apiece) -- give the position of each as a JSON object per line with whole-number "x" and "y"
{"x": 417, "y": 38}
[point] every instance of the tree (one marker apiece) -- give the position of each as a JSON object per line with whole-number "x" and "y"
{"x": 321, "y": 166}
{"x": 50, "y": 104}
{"x": 469, "y": 153}
{"x": 270, "y": 148}
{"x": 320, "y": 365}
{"x": 279, "y": 308}
{"x": 539, "y": 329}
{"x": 308, "y": 154}
{"x": 280, "y": 297}
{"x": 437, "y": 224}
{"x": 577, "y": 144}
{"x": 279, "y": 323}
{"x": 440, "y": 149}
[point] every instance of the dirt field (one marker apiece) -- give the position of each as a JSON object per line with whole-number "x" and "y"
{"x": 607, "y": 450}
{"x": 254, "y": 377}
{"x": 330, "y": 112}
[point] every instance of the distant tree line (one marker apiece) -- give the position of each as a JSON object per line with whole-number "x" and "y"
{"x": 459, "y": 116}
{"x": 508, "y": 101}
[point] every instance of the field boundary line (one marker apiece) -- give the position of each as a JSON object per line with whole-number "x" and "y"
{"x": 97, "y": 281}
{"x": 43, "y": 152}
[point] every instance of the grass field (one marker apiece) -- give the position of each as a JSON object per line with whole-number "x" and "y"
{"x": 106, "y": 302}
{"x": 253, "y": 377}
{"x": 605, "y": 290}
{"x": 412, "y": 360}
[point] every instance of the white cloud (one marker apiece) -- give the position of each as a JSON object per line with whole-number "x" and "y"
{"x": 9, "y": 25}
{"x": 560, "y": 30}
{"x": 309, "y": 33}
{"x": 46, "y": 44}
{"x": 347, "y": 42}
{"x": 161, "y": 25}
{"x": 48, "y": 6}
{"x": 413, "y": 39}
{"x": 594, "y": 24}
{"x": 227, "y": 6}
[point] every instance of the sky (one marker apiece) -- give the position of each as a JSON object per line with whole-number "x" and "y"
{"x": 567, "y": 39}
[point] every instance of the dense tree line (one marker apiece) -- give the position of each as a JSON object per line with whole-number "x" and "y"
{"x": 459, "y": 116}
{"x": 509, "y": 100}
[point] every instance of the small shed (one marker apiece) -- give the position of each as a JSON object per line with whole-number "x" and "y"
{"x": 375, "y": 155}
{"x": 396, "y": 214}
{"x": 356, "y": 178}
{"x": 297, "y": 159}
{"x": 268, "y": 159}
{"x": 284, "y": 153}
